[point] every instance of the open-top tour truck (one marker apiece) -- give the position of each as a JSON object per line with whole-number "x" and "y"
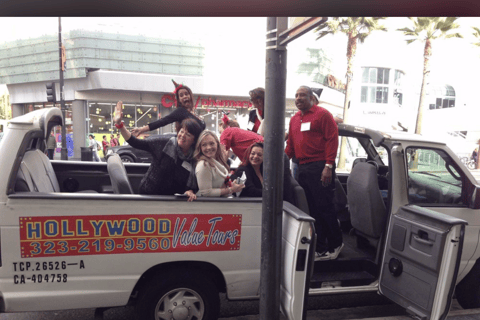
{"x": 78, "y": 235}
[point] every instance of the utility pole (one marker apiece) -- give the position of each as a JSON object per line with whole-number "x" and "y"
{"x": 64, "y": 151}
{"x": 272, "y": 204}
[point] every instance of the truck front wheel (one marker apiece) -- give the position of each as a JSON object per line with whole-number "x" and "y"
{"x": 180, "y": 296}
{"x": 468, "y": 290}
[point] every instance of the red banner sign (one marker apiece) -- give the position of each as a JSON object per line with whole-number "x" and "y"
{"x": 168, "y": 100}
{"x": 90, "y": 235}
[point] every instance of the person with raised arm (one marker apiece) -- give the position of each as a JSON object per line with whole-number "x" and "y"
{"x": 185, "y": 109}
{"x": 172, "y": 169}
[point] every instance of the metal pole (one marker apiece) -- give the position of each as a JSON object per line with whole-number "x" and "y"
{"x": 64, "y": 152}
{"x": 272, "y": 208}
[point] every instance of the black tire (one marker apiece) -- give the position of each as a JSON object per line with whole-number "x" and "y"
{"x": 163, "y": 297}
{"x": 468, "y": 290}
{"x": 126, "y": 158}
{"x": 472, "y": 165}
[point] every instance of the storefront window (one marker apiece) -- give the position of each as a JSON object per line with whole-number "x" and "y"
{"x": 134, "y": 115}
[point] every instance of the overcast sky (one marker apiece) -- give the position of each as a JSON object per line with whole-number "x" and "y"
{"x": 235, "y": 48}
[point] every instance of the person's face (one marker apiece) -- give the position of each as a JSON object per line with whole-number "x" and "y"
{"x": 209, "y": 146}
{"x": 257, "y": 103}
{"x": 185, "y": 139}
{"x": 90, "y": 138}
{"x": 185, "y": 98}
{"x": 303, "y": 100}
{"x": 220, "y": 128}
{"x": 256, "y": 156}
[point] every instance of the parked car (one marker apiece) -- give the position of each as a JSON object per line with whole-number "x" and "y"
{"x": 410, "y": 225}
{"x": 129, "y": 154}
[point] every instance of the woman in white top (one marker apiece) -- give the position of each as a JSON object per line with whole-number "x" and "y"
{"x": 212, "y": 168}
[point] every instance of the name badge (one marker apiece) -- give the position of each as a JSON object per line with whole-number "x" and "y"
{"x": 305, "y": 126}
{"x": 250, "y": 125}
{"x": 187, "y": 165}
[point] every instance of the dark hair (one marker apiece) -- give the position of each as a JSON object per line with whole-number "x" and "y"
{"x": 246, "y": 155}
{"x": 192, "y": 127}
{"x": 104, "y": 136}
{"x": 309, "y": 90}
{"x": 91, "y": 135}
{"x": 179, "y": 104}
{"x": 257, "y": 92}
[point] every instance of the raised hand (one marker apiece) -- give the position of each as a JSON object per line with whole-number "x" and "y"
{"x": 118, "y": 113}
{"x": 137, "y": 131}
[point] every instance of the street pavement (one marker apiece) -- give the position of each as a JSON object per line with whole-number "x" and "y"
{"x": 382, "y": 312}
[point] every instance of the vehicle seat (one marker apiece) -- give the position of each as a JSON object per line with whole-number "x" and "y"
{"x": 367, "y": 209}
{"x": 118, "y": 175}
{"x": 340, "y": 202}
{"x": 36, "y": 173}
{"x": 298, "y": 194}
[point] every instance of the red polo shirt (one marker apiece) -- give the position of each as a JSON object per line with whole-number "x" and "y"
{"x": 317, "y": 140}
{"x": 239, "y": 140}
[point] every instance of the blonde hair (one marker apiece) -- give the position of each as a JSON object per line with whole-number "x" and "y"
{"x": 219, "y": 155}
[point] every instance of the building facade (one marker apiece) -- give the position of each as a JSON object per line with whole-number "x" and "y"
{"x": 102, "y": 69}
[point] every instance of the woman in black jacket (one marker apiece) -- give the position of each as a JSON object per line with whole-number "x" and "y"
{"x": 185, "y": 109}
{"x": 172, "y": 169}
{"x": 252, "y": 165}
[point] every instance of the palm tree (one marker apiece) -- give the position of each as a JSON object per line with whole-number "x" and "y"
{"x": 477, "y": 35}
{"x": 356, "y": 29}
{"x": 428, "y": 29}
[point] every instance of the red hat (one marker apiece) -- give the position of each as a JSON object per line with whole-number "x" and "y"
{"x": 225, "y": 119}
{"x": 177, "y": 86}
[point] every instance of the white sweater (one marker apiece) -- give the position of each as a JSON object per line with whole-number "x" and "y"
{"x": 210, "y": 179}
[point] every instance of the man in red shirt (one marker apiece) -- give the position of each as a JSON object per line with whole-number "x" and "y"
{"x": 313, "y": 140}
{"x": 232, "y": 137}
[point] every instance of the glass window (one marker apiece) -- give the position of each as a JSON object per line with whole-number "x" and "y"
{"x": 433, "y": 178}
{"x": 372, "y": 94}
{"x": 365, "y": 75}
{"x": 398, "y": 97}
{"x": 372, "y": 75}
{"x": 364, "y": 94}
{"x": 383, "y": 75}
{"x": 449, "y": 91}
{"x": 146, "y": 114}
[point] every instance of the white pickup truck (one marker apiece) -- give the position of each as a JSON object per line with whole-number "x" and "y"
{"x": 68, "y": 241}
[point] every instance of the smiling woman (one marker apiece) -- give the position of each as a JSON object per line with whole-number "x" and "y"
{"x": 212, "y": 168}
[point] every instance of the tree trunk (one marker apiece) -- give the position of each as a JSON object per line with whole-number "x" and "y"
{"x": 426, "y": 75}
{"x": 351, "y": 51}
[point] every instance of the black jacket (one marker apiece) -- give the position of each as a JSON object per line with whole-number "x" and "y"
{"x": 165, "y": 176}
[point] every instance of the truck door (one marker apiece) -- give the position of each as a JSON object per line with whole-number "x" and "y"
{"x": 421, "y": 261}
{"x": 298, "y": 249}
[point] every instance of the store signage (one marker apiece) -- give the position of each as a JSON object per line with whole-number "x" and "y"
{"x": 168, "y": 100}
